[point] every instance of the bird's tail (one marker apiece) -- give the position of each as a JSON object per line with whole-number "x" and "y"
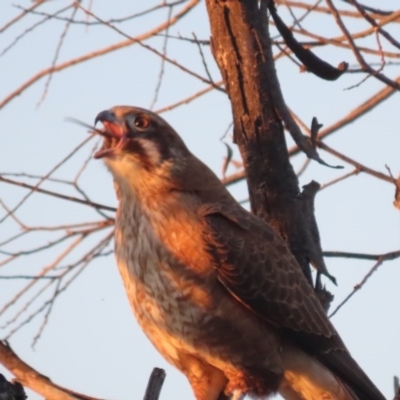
{"x": 346, "y": 368}
{"x": 306, "y": 378}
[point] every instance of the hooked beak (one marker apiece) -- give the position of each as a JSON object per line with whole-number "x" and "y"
{"x": 113, "y": 133}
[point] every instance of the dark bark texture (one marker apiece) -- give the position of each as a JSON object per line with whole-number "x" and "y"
{"x": 11, "y": 390}
{"x": 242, "y": 48}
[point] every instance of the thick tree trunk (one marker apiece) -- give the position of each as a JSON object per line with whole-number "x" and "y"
{"x": 242, "y": 49}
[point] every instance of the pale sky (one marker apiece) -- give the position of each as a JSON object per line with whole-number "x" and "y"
{"x": 92, "y": 343}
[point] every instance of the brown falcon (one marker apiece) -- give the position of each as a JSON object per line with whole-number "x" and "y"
{"x": 214, "y": 288}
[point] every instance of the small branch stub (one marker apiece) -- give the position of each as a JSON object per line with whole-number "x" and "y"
{"x": 11, "y": 390}
{"x": 154, "y": 385}
{"x": 396, "y": 388}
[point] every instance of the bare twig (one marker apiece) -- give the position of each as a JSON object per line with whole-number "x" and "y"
{"x": 355, "y": 171}
{"x": 162, "y": 67}
{"x": 189, "y": 99}
{"x": 43, "y": 178}
{"x": 362, "y": 256}
{"x": 19, "y": 16}
{"x": 98, "y": 53}
{"x": 356, "y": 50}
{"x": 203, "y": 58}
{"x": 358, "y": 286}
{"x": 153, "y": 50}
{"x": 325, "y": 10}
{"x": 372, "y": 21}
{"x": 162, "y": 4}
{"x": 31, "y": 29}
{"x": 55, "y": 194}
{"x": 360, "y": 167}
{"x": 56, "y": 55}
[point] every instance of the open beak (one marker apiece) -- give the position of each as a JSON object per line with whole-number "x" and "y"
{"x": 113, "y": 133}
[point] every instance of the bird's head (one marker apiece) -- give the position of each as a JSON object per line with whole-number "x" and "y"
{"x": 139, "y": 144}
{"x": 144, "y": 153}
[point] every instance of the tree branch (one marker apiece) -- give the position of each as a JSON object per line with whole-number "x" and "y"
{"x": 29, "y": 377}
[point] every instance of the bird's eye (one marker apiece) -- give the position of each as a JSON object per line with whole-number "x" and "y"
{"x": 141, "y": 122}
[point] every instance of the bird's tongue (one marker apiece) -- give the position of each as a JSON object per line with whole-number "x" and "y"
{"x": 113, "y": 133}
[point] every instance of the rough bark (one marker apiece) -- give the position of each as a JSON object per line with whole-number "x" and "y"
{"x": 242, "y": 48}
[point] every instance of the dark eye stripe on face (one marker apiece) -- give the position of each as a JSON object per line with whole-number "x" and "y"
{"x": 162, "y": 140}
{"x": 136, "y": 148}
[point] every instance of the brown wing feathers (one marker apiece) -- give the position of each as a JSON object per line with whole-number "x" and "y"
{"x": 256, "y": 267}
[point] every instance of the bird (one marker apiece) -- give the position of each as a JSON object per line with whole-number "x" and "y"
{"x": 214, "y": 288}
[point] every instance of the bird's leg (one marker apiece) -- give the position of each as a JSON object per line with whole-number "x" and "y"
{"x": 238, "y": 395}
{"x": 207, "y": 381}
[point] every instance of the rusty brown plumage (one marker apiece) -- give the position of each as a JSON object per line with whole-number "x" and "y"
{"x": 214, "y": 288}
